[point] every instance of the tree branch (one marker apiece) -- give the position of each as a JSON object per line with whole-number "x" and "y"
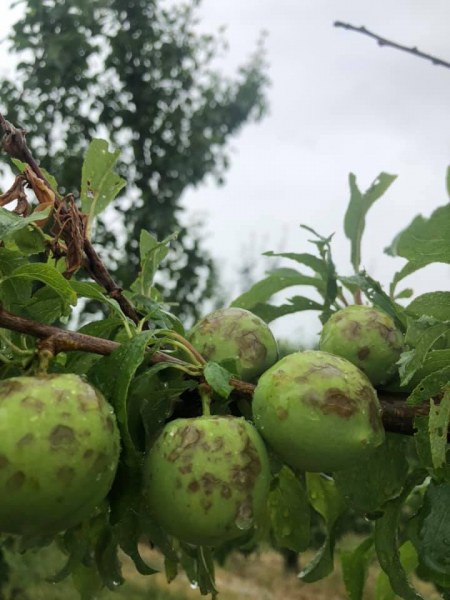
{"x": 385, "y": 42}
{"x": 397, "y": 416}
{"x": 15, "y": 145}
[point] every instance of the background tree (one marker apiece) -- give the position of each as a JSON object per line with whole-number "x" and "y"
{"x": 140, "y": 71}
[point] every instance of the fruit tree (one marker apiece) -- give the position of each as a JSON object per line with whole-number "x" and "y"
{"x": 133, "y": 430}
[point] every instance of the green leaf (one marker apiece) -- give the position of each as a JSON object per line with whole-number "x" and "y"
{"x": 29, "y": 240}
{"x": 423, "y": 334}
{"x": 289, "y": 511}
{"x": 87, "y": 581}
{"x": 376, "y": 295}
{"x": 408, "y": 560}
{"x": 107, "y": 559}
{"x": 99, "y": 183}
{"x": 113, "y": 375}
{"x": 269, "y": 312}
{"x": 317, "y": 264}
{"x": 50, "y": 277}
{"x": 432, "y": 384}
{"x": 438, "y": 421}
{"x": 425, "y": 241}
{"x": 10, "y": 223}
{"x": 205, "y": 572}
{"x": 45, "y": 306}
{"x": 218, "y": 378}
{"x": 151, "y": 399}
{"x": 327, "y": 500}
{"x": 434, "y": 528}
{"x": 152, "y": 253}
{"x": 278, "y": 280}
{"x": 388, "y": 468}
{"x": 355, "y": 565}
{"x": 433, "y": 304}
{"x": 386, "y": 541}
{"x": 359, "y": 205}
{"x": 93, "y": 291}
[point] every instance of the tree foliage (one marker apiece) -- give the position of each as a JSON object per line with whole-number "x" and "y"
{"x": 140, "y": 72}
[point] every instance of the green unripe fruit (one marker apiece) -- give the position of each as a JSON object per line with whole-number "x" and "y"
{"x": 207, "y": 479}
{"x": 317, "y": 411}
{"x": 236, "y": 334}
{"x": 365, "y": 336}
{"x": 59, "y": 448}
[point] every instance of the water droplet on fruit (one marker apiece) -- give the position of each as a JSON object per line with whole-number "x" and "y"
{"x": 244, "y": 517}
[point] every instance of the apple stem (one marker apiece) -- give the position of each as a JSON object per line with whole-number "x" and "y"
{"x": 205, "y": 395}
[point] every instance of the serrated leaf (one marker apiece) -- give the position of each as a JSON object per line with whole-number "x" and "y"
{"x": 408, "y": 560}
{"x": 10, "y": 222}
{"x": 355, "y": 565}
{"x": 432, "y": 384}
{"x": 269, "y": 312}
{"x": 327, "y": 500}
{"x": 424, "y": 334}
{"x": 438, "y": 421}
{"x": 45, "y": 306}
{"x": 289, "y": 512}
{"x": 388, "y": 468}
{"x": 425, "y": 241}
{"x": 433, "y": 304}
{"x": 85, "y": 289}
{"x": 99, "y": 183}
{"x": 434, "y": 528}
{"x": 152, "y": 253}
{"x": 315, "y": 263}
{"x": 112, "y": 375}
{"x": 386, "y": 541}
{"x": 86, "y": 581}
{"x": 376, "y": 295}
{"x": 278, "y": 280}
{"x": 359, "y": 205}
{"x": 50, "y": 277}
{"x": 218, "y": 378}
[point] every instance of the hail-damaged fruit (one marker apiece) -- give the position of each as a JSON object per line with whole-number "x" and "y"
{"x": 367, "y": 337}
{"x": 59, "y": 447}
{"x": 317, "y": 411}
{"x": 207, "y": 479}
{"x": 236, "y": 334}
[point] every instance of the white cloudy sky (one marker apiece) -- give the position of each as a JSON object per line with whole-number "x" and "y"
{"x": 338, "y": 103}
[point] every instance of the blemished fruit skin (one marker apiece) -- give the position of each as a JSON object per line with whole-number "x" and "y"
{"x": 59, "y": 448}
{"x": 236, "y": 334}
{"x": 207, "y": 479}
{"x": 365, "y": 336}
{"x": 317, "y": 411}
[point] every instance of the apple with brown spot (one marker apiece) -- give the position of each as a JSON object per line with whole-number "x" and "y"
{"x": 207, "y": 479}
{"x": 59, "y": 448}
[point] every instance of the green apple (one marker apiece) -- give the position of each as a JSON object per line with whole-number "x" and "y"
{"x": 238, "y": 335}
{"x": 207, "y": 479}
{"x": 317, "y": 411}
{"x": 59, "y": 448}
{"x": 365, "y": 336}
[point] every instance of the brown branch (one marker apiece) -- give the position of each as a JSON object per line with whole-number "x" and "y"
{"x": 61, "y": 340}
{"x": 385, "y": 42}
{"x": 397, "y": 416}
{"x": 15, "y": 145}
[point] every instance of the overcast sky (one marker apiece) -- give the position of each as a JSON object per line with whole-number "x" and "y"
{"x": 338, "y": 104}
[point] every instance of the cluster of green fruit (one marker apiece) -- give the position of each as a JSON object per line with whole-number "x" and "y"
{"x": 206, "y": 478}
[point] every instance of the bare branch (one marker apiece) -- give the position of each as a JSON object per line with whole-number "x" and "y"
{"x": 385, "y": 42}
